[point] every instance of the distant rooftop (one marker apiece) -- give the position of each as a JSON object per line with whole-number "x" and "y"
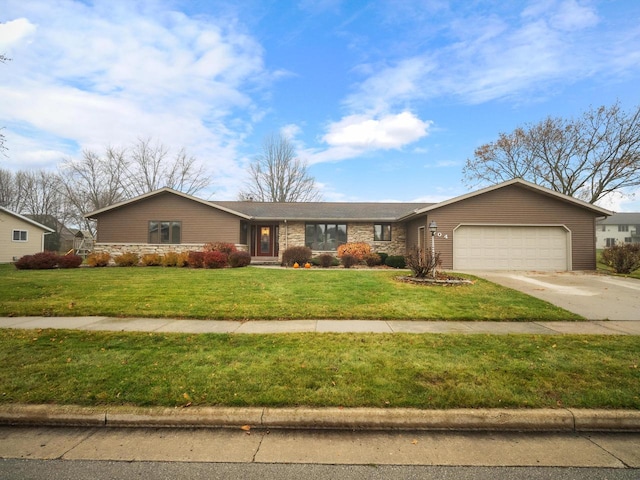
{"x": 628, "y": 218}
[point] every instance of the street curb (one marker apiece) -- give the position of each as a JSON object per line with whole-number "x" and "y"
{"x": 533, "y": 420}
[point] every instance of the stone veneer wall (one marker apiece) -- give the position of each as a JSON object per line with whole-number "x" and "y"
{"x": 292, "y": 234}
{"x": 115, "y": 249}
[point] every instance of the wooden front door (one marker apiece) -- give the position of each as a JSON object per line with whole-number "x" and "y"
{"x": 264, "y": 241}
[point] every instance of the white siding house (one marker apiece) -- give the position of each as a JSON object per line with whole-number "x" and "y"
{"x": 19, "y": 236}
{"x": 618, "y": 228}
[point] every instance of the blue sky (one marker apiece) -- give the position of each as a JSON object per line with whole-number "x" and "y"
{"x": 384, "y": 99}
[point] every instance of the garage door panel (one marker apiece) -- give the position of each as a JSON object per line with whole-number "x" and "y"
{"x": 478, "y": 247}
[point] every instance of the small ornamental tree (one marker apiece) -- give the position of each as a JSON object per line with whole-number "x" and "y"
{"x": 422, "y": 263}
{"x": 623, "y": 258}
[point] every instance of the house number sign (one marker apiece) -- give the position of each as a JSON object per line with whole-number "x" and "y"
{"x": 441, "y": 235}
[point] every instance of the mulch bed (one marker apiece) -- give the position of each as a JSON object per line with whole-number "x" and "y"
{"x": 442, "y": 279}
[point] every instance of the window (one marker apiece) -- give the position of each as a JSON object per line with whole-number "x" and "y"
{"x": 161, "y": 231}
{"x": 604, "y": 228}
{"x": 19, "y": 236}
{"x": 325, "y": 236}
{"x": 610, "y": 242}
{"x": 382, "y": 232}
{"x": 623, "y": 228}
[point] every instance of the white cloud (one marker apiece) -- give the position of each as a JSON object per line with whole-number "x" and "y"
{"x": 484, "y": 58}
{"x": 14, "y": 31}
{"x": 109, "y": 73}
{"x": 357, "y": 134}
{"x": 364, "y": 132}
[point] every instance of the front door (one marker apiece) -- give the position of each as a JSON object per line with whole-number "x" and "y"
{"x": 265, "y": 241}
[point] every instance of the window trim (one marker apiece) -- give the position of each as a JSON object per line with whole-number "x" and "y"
{"x": 326, "y": 228}
{"x": 158, "y": 232}
{"x": 19, "y": 232}
{"x": 382, "y": 235}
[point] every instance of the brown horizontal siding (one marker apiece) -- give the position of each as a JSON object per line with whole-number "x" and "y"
{"x": 200, "y": 223}
{"x": 510, "y": 205}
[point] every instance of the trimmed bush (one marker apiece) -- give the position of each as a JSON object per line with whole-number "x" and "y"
{"x": 170, "y": 259}
{"x": 127, "y": 259}
{"x": 24, "y": 263}
{"x": 395, "y": 261}
{"x": 299, "y": 255}
{"x": 357, "y": 249}
{"x": 383, "y": 258}
{"x": 98, "y": 259}
{"x": 372, "y": 259}
{"x": 214, "y": 259}
{"x": 327, "y": 260}
{"x": 623, "y": 258}
{"x": 239, "y": 259}
{"x": 226, "y": 248}
{"x": 349, "y": 260}
{"x": 151, "y": 260}
{"x": 69, "y": 261}
{"x": 195, "y": 259}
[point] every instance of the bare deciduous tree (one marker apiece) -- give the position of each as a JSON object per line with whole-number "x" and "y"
{"x": 588, "y": 158}
{"x": 278, "y": 175}
{"x": 151, "y": 167}
{"x": 97, "y": 181}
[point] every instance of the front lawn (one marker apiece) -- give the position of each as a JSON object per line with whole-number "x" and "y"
{"x": 258, "y": 293}
{"x": 349, "y": 370}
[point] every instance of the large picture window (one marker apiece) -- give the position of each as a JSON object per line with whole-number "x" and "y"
{"x": 382, "y": 232}
{"x": 161, "y": 231}
{"x": 325, "y": 236}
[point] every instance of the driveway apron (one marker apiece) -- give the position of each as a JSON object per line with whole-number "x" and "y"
{"x": 591, "y": 295}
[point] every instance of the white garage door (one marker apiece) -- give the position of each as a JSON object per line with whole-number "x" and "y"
{"x": 478, "y": 247}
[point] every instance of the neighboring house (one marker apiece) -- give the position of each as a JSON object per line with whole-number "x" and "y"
{"x": 63, "y": 237}
{"x": 515, "y": 225}
{"x": 618, "y": 228}
{"x": 20, "y": 236}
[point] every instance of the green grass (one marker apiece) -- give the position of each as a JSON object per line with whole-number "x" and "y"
{"x": 349, "y": 370}
{"x": 256, "y": 293}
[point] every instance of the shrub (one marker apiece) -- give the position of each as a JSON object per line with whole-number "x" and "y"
{"x": 38, "y": 261}
{"x": 98, "y": 259}
{"x": 127, "y": 259}
{"x": 214, "y": 259}
{"x": 372, "y": 259}
{"x": 357, "y": 249}
{"x": 423, "y": 264}
{"x": 195, "y": 259}
{"x": 349, "y": 260}
{"x": 623, "y": 258}
{"x": 24, "y": 263}
{"x": 69, "y": 261}
{"x": 327, "y": 260}
{"x": 227, "y": 248}
{"x": 299, "y": 255}
{"x": 239, "y": 259}
{"x": 170, "y": 259}
{"x": 383, "y": 258}
{"x": 183, "y": 259}
{"x": 395, "y": 261}
{"x": 151, "y": 260}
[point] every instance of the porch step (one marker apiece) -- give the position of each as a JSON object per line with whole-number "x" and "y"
{"x": 265, "y": 261}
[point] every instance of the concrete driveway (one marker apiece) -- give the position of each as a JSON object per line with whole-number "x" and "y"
{"x": 594, "y": 296}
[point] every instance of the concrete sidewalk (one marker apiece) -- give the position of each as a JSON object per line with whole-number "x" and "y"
{"x": 619, "y": 327}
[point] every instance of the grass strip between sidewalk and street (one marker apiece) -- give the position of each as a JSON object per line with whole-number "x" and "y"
{"x": 348, "y": 370}
{"x": 258, "y": 293}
